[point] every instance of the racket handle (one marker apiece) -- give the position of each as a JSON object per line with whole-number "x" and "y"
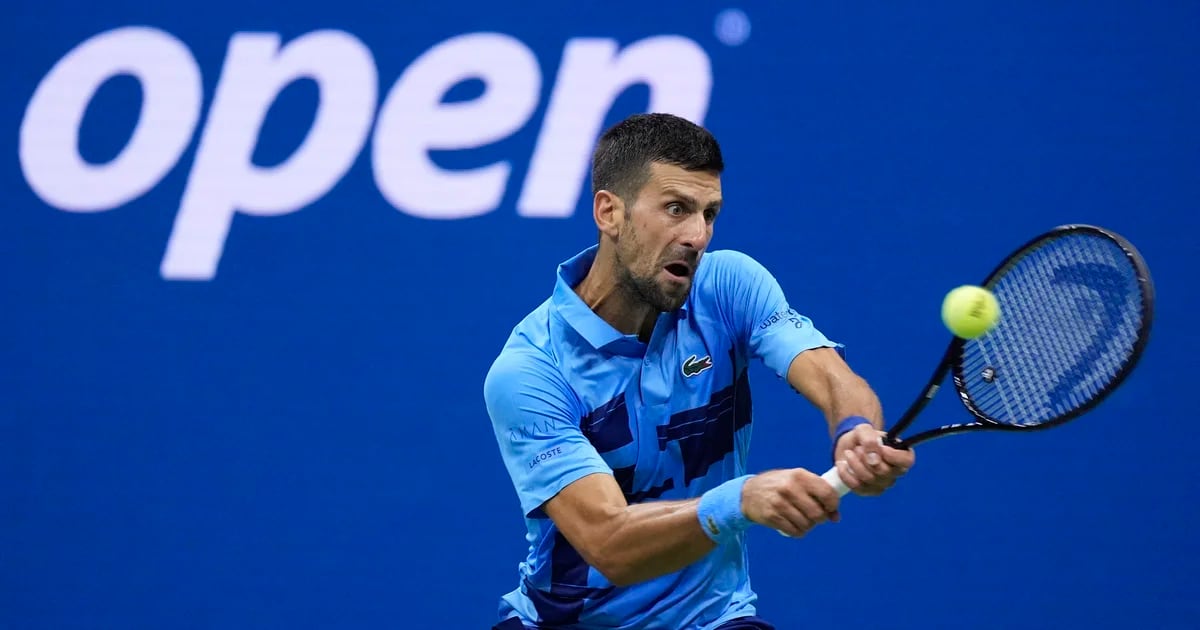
{"x": 832, "y": 477}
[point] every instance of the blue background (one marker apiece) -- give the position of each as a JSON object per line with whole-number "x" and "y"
{"x": 301, "y": 442}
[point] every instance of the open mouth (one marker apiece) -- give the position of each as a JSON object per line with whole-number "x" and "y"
{"x": 679, "y": 270}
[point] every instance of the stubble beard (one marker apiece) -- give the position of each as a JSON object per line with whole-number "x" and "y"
{"x": 648, "y": 289}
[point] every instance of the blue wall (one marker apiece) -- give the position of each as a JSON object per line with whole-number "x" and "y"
{"x": 283, "y": 427}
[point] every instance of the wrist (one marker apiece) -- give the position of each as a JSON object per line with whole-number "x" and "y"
{"x": 845, "y": 426}
{"x": 720, "y": 512}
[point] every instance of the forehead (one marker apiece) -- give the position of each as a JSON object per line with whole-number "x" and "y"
{"x": 702, "y": 185}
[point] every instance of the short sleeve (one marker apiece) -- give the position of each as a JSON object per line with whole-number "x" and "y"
{"x": 537, "y": 428}
{"x": 757, "y": 310}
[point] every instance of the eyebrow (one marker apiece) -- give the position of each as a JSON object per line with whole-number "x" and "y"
{"x": 691, "y": 201}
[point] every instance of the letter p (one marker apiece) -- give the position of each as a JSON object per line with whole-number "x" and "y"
{"x": 224, "y": 180}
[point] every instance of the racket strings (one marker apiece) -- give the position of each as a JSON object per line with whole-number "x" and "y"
{"x": 1004, "y": 347}
{"x": 1071, "y": 312}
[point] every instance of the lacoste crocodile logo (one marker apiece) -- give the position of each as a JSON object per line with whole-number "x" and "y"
{"x": 693, "y": 366}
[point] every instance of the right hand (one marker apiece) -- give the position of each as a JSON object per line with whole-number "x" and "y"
{"x": 792, "y": 501}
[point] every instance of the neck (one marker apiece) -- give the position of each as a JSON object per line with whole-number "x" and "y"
{"x": 602, "y": 291}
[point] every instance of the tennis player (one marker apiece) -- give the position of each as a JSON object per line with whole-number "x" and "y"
{"x": 621, "y": 406}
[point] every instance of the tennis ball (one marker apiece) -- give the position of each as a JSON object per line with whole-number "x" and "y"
{"x": 970, "y": 311}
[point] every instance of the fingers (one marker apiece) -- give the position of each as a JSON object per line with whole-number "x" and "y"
{"x": 813, "y": 508}
{"x": 870, "y": 447}
{"x": 790, "y": 501}
{"x": 900, "y": 458}
{"x": 897, "y": 461}
{"x": 792, "y": 521}
{"x": 826, "y": 497}
{"x": 810, "y": 504}
{"x": 847, "y": 474}
{"x": 783, "y": 512}
{"x": 863, "y": 477}
{"x": 867, "y": 469}
{"x": 880, "y": 473}
{"x": 868, "y": 466}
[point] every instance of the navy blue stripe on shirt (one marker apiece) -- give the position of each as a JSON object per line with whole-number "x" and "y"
{"x": 650, "y": 493}
{"x": 624, "y": 477}
{"x": 745, "y": 623}
{"x": 554, "y": 609}
{"x": 743, "y": 407}
{"x": 705, "y": 434}
{"x": 569, "y": 590}
{"x": 567, "y": 572}
{"x": 567, "y": 567}
{"x": 607, "y": 427}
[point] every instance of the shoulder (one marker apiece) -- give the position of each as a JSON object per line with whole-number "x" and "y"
{"x": 520, "y": 361}
{"x": 529, "y": 360}
{"x": 725, "y": 265}
{"x": 528, "y": 346}
{"x": 725, "y": 274}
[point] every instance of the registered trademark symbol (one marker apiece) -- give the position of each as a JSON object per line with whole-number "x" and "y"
{"x": 732, "y": 27}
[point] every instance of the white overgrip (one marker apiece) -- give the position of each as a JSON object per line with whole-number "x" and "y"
{"x": 832, "y": 477}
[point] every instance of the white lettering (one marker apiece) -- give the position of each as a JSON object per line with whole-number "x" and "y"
{"x": 49, "y": 137}
{"x": 414, "y": 120}
{"x": 590, "y": 79}
{"x": 224, "y": 181}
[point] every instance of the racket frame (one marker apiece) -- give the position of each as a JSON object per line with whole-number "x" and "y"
{"x": 950, "y": 362}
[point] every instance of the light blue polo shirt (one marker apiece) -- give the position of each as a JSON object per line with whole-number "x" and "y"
{"x": 570, "y": 396}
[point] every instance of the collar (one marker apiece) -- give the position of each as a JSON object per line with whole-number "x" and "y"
{"x": 597, "y": 332}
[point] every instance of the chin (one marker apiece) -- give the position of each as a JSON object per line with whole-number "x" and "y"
{"x": 674, "y": 297}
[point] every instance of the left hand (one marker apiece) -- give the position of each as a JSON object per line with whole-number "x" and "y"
{"x": 866, "y": 465}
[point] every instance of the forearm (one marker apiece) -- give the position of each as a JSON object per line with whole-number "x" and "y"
{"x": 648, "y": 540}
{"x": 826, "y": 381}
{"x": 628, "y": 543}
{"x": 851, "y": 396}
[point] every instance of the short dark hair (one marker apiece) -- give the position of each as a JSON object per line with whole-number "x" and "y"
{"x": 621, "y": 161}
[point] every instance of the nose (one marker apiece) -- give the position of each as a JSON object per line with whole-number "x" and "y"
{"x": 696, "y": 232}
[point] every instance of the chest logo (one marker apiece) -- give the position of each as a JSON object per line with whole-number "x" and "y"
{"x": 693, "y": 366}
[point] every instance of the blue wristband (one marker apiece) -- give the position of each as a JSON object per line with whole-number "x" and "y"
{"x": 845, "y": 426}
{"x": 720, "y": 511}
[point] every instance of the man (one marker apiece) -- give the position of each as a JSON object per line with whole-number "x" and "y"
{"x": 622, "y": 408}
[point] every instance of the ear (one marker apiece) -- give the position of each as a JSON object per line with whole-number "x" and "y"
{"x": 608, "y": 210}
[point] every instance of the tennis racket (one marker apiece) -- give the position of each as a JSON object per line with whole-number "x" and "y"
{"x": 1076, "y": 305}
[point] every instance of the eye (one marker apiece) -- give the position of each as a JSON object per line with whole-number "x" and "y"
{"x": 675, "y": 209}
{"x": 710, "y": 215}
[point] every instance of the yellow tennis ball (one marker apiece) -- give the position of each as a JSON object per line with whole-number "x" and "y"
{"x": 970, "y": 311}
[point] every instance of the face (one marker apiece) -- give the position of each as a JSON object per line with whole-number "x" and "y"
{"x": 662, "y": 236}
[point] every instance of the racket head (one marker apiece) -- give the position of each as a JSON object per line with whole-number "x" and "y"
{"x": 1077, "y": 304}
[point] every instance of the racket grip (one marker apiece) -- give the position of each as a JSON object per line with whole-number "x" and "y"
{"x": 832, "y": 477}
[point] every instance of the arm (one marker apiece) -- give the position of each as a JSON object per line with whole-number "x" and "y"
{"x": 627, "y": 543}
{"x": 557, "y": 471}
{"x": 822, "y": 377}
{"x": 633, "y": 543}
{"x": 864, "y": 463}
